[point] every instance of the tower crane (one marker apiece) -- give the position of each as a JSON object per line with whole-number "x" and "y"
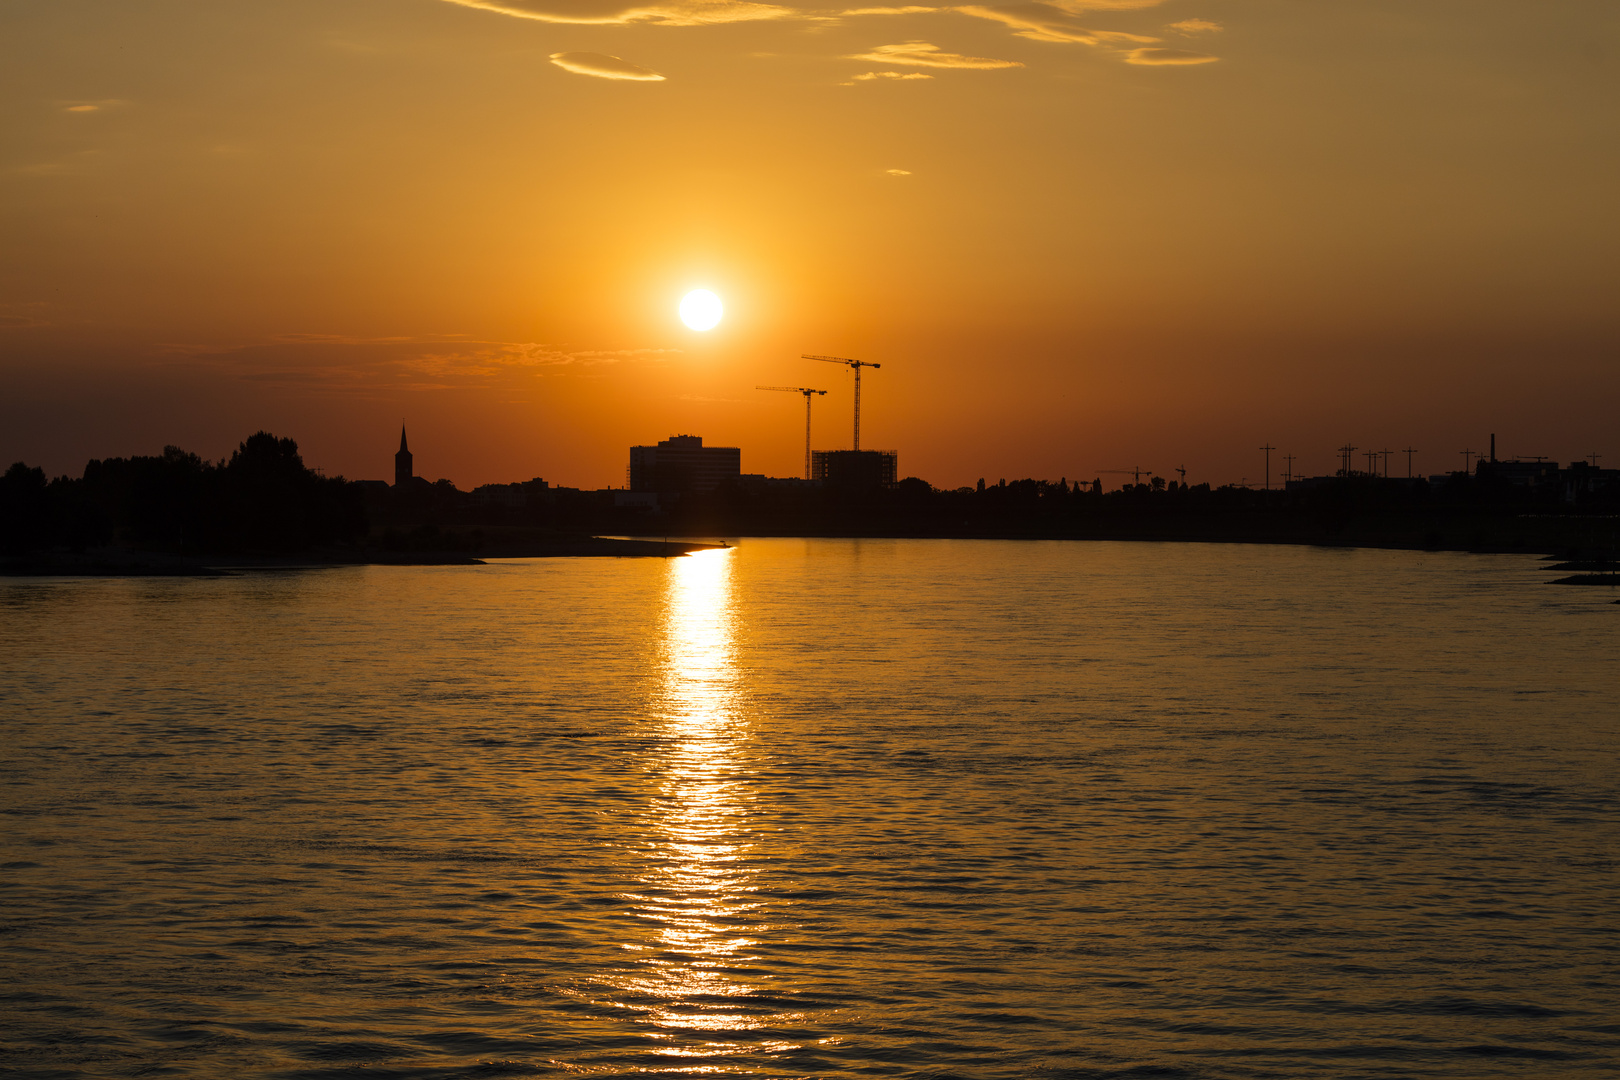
{"x": 856, "y": 366}
{"x": 808, "y": 393}
{"x": 1135, "y": 474}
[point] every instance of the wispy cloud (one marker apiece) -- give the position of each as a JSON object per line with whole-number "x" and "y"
{"x": 604, "y": 66}
{"x": 922, "y": 54}
{"x": 1077, "y": 6}
{"x": 1031, "y": 21}
{"x": 351, "y": 339}
{"x": 896, "y": 172}
{"x": 670, "y": 13}
{"x": 91, "y": 106}
{"x": 1039, "y": 22}
{"x": 488, "y": 358}
{"x": 1035, "y": 20}
{"x": 350, "y": 364}
{"x": 614, "y": 356}
{"x": 80, "y": 162}
{"x": 888, "y": 76}
{"x": 1167, "y": 57}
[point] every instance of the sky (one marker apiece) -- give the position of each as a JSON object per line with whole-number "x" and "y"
{"x": 1078, "y": 236}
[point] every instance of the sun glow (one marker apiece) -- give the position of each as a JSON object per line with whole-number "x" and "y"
{"x": 701, "y": 309}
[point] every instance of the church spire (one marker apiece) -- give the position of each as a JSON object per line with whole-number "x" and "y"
{"x": 402, "y": 461}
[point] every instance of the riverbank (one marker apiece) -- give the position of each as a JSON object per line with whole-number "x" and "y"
{"x": 1578, "y": 542}
{"x": 122, "y": 562}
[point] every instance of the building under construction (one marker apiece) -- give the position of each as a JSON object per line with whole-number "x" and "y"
{"x": 855, "y": 468}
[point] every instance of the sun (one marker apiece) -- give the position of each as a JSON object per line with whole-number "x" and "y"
{"x": 701, "y": 309}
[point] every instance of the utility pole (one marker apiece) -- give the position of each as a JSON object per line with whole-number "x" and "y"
{"x": 1409, "y": 452}
{"x": 1289, "y": 475}
{"x": 856, "y": 365}
{"x": 1182, "y": 469}
{"x": 1593, "y": 458}
{"x": 1344, "y": 459}
{"x": 807, "y": 392}
{"x": 1372, "y": 461}
{"x": 1386, "y": 453}
{"x": 1467, "y": 463}
{"x": 1268, "y": 448}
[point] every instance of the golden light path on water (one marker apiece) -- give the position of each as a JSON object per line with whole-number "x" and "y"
{"x": 699, "y": 892}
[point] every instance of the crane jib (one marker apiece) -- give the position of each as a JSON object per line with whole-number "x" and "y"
{"x": 855, "y": 366}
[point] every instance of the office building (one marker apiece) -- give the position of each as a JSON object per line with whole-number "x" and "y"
{"x": 683, "y": 463}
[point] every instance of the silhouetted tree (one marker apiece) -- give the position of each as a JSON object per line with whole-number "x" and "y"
{"x": 280, "y": 505}
{"x": 23, "y": 521}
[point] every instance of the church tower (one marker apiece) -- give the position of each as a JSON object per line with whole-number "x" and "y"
{"x": 402, "y": 461}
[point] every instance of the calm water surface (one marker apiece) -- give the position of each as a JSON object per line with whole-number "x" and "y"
{"x": 816, "y": 809}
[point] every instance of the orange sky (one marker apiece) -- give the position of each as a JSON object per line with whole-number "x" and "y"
{"x": 1078, "y": 236}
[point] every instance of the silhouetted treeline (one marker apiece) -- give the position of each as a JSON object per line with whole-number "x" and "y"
{"x": 263, "y": 498}
{"x": 1464, "y": 512}
{"x": 1482, "y": 511}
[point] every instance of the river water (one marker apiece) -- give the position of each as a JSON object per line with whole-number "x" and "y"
{"x": 816, "y": 809}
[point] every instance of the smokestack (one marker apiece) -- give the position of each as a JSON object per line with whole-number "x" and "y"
{"x": 1493, "y": 448}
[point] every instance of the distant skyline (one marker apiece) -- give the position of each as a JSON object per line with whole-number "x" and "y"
{"x": 1078, "y": 235}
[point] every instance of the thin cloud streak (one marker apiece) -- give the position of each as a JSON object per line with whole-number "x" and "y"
{"x": 679, "y": 13}
{"x": 92, "y": 105}
{"x": 1027, "y": 16}
{"x": 1168, "y": 57}
{"x": 350, "y": 364}
{"x": 923, "y": 54}
{"x": 603, "y": 66}
{"x": 1034, "y": 21}
{"x": 886, "y": 76}
{"x": 1075, "y": 7}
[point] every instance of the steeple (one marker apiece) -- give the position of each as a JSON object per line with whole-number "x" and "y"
{"x": 402, "y": 461}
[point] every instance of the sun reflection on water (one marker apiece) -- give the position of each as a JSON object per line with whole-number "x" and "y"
{"x": 692, "y": 974}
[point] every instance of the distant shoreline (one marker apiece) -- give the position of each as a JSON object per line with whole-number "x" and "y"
{"x": 1468, "y": 537}
{"x": 112, "y": 562}
{"x": 123, "y": 563}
